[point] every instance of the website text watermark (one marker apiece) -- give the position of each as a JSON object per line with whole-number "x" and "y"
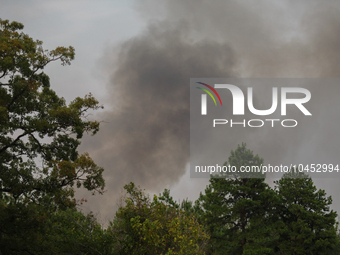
{"x": 268, "y": 168}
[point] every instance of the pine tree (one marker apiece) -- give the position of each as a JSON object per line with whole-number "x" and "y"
{"x": 307, "y": 225}
{"x": 237, "y": 210}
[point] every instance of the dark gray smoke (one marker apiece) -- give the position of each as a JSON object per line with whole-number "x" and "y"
{"x": 145, "y": 137}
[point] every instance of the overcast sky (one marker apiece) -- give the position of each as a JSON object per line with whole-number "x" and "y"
{"x": 137, "y": 57}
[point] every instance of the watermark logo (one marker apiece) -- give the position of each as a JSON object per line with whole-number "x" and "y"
{"x": 290, "y": 119}
{"x": 302, "y": 96}
{"x": 238, "y": 99}
{"x": 204, "y": 97}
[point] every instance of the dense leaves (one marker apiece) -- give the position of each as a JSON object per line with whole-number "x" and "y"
{"x": 246, "y": 216}
{"x": 306, "y": 223}
{"x": 159, "y": 226}
{"x": 237, "y": 210}
{"x": 39, "y": 136}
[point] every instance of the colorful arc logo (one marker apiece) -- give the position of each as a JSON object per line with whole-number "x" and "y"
{"x": 204, "y": 97}
{"x": 213, "y": 90}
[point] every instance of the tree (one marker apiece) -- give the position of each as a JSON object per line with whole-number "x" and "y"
{"x": 39, "y": 136}
{"x": 307, "y": 225}
{"x": 72, "y": 232}
{"x": 237, "y": 210}
{"x": 159, "y": 226}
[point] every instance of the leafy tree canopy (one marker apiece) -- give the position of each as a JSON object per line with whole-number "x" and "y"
{"x": 246, "y": 216}
{"x": 39, "y": 136}
{"x": 235, "y": 209}
{"x": 306, "y": 223}
{"x": 158, "y": 226}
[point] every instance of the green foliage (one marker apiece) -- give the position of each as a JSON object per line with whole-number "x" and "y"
{"x": 246, "y": 216}
{"x": 59, "y": 232}
{"x": 236, "y": 210}
{"x": 72, "y": 232}
{"x": 143, "y": 226}
{"x": 306, "y": 223}
{"x": 39, "y": 136}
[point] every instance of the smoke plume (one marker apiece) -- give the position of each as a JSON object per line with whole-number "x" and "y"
{"x": 144, "y": 136}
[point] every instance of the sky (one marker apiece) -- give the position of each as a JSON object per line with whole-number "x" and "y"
{"x": 137, "y": 57}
